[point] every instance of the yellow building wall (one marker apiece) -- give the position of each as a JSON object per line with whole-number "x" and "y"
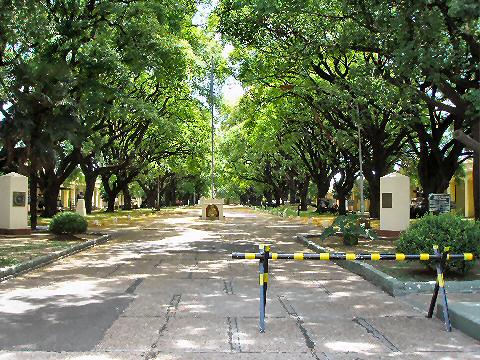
{"x": 469, "y": 208}
{"x": 71, "y": 191}
{"x": 461, "y": 192}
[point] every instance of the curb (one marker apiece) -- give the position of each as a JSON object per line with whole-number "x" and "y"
{"x": 388, "y": 283}
{"x": 465, "y": 316}
{"x": 40, "y": 261}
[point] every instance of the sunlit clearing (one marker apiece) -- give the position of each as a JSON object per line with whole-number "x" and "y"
{"x": 185, "y": 344}
{"x": 349, "y": 346}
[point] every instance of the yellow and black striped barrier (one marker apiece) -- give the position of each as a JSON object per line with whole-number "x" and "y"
{"x": 440, "y": 258}
{"x": 351, "y": 256}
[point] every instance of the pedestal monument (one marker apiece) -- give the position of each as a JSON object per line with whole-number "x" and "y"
{"x": 14, "y": 204}
{"x": 80, "y": 207}
{"x": 394, "y": 202}
{"x": 212, "y": 209}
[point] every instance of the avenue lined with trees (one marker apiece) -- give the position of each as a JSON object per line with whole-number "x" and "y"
{"x": 108, "y": 87}
{"x": 119, "y": 91}
{"x": 404, "y": 73}
{"x": 149, "y": 147}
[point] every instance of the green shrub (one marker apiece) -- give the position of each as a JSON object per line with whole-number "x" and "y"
{"x": 68, "y": 223}
{"x": 351, "y": 227}
{"x": 462, "y": 236}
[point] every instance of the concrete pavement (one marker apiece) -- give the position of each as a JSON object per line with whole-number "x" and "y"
{"x": 169, "y": 291}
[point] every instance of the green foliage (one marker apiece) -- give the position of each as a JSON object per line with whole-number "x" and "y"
{"x": 400, "y": 70}
{"x": 442, "y": 230}
{"x": 352, "y": 227}
{"x": 8, "y": 261}
{"x": 112, "y": 86}
{"x": 68, "y": 223}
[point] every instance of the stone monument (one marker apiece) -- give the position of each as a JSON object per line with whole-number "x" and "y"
{"x": 14, "y": 204}
{"x": 212, "y": 209}
{"x": 394, "y": 202}
{"x": 80, "y": 206}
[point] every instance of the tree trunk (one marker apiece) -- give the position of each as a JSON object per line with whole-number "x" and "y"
{"x": 342, "y": 201}
{"x": 90, "y": 179}
{"x": 278, "y": 197}
{"x": 50, "y": 196}
{"x": 374, "y": 184}
{"x": 171, "y": 192}
{"x": 127, "y": 198}
{"x": 151, "y": 198}
{"x": 110, "y": 193}
{"x": 434, "y": 184}
{"x": 111, "y": 204}
{"x": 436, "y": 170}
{"x": 269, "y": 197}
{"x": 292, "y": 187}
{"x": 319, "y": 202}
{"x": 33, "y": 182}
{"x": 322, "y": 189}
{"x": 303, "y": 189}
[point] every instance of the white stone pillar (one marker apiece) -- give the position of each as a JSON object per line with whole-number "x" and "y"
{"x": 14, "y": 204}
{"x": 80, "y": 207}
{"x": 394, "y": 202}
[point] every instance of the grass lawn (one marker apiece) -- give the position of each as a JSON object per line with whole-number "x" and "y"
{"x": 101, "y": 219}
{"x": 402, "y": 270}
{"x": 16, "y": 249}
{"x": 322, "y": 220}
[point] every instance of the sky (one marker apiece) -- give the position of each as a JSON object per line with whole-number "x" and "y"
{"x": 232, "y": 90}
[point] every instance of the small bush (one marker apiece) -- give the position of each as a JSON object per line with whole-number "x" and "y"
{"x": 462, "y": 236}
{"x": 351, "y": 227}
{"x": 68, "y": 223}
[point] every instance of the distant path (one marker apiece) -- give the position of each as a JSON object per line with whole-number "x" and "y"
{"x": 169, "y": 291}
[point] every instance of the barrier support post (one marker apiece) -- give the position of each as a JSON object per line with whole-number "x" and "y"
{"x": 265, "y": 275}
{"x": 440, "y": 286}
{"x": 261, "y": 272}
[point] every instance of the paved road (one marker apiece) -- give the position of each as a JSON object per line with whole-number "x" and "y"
{"x": 169, "y": 291}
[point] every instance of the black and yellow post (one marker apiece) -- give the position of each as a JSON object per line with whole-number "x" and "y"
{"x": 440, "y": 258}
{"x": 440, "y": 286}
{"x": 263, "y": 281}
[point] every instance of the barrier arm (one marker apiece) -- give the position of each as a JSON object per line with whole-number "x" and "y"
{"x": 440, "y": 258}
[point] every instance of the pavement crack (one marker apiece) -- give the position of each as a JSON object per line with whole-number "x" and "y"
{"x": 113, "y": 271}
{"x": 288, "y": 307}
{"x": 171, "y": 311}
{"x": 228, "y": 287}
{"x": 150, "y": 355}
{"x": 376, "y": 333}
{"x": 233, "y": 334}
{"x": 324, "y": 288}
{"x": 131, "y": 289}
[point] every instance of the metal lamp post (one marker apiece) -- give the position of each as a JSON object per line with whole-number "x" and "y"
{"x": 360, "y": 160}
{"x": 213, "y": 128}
